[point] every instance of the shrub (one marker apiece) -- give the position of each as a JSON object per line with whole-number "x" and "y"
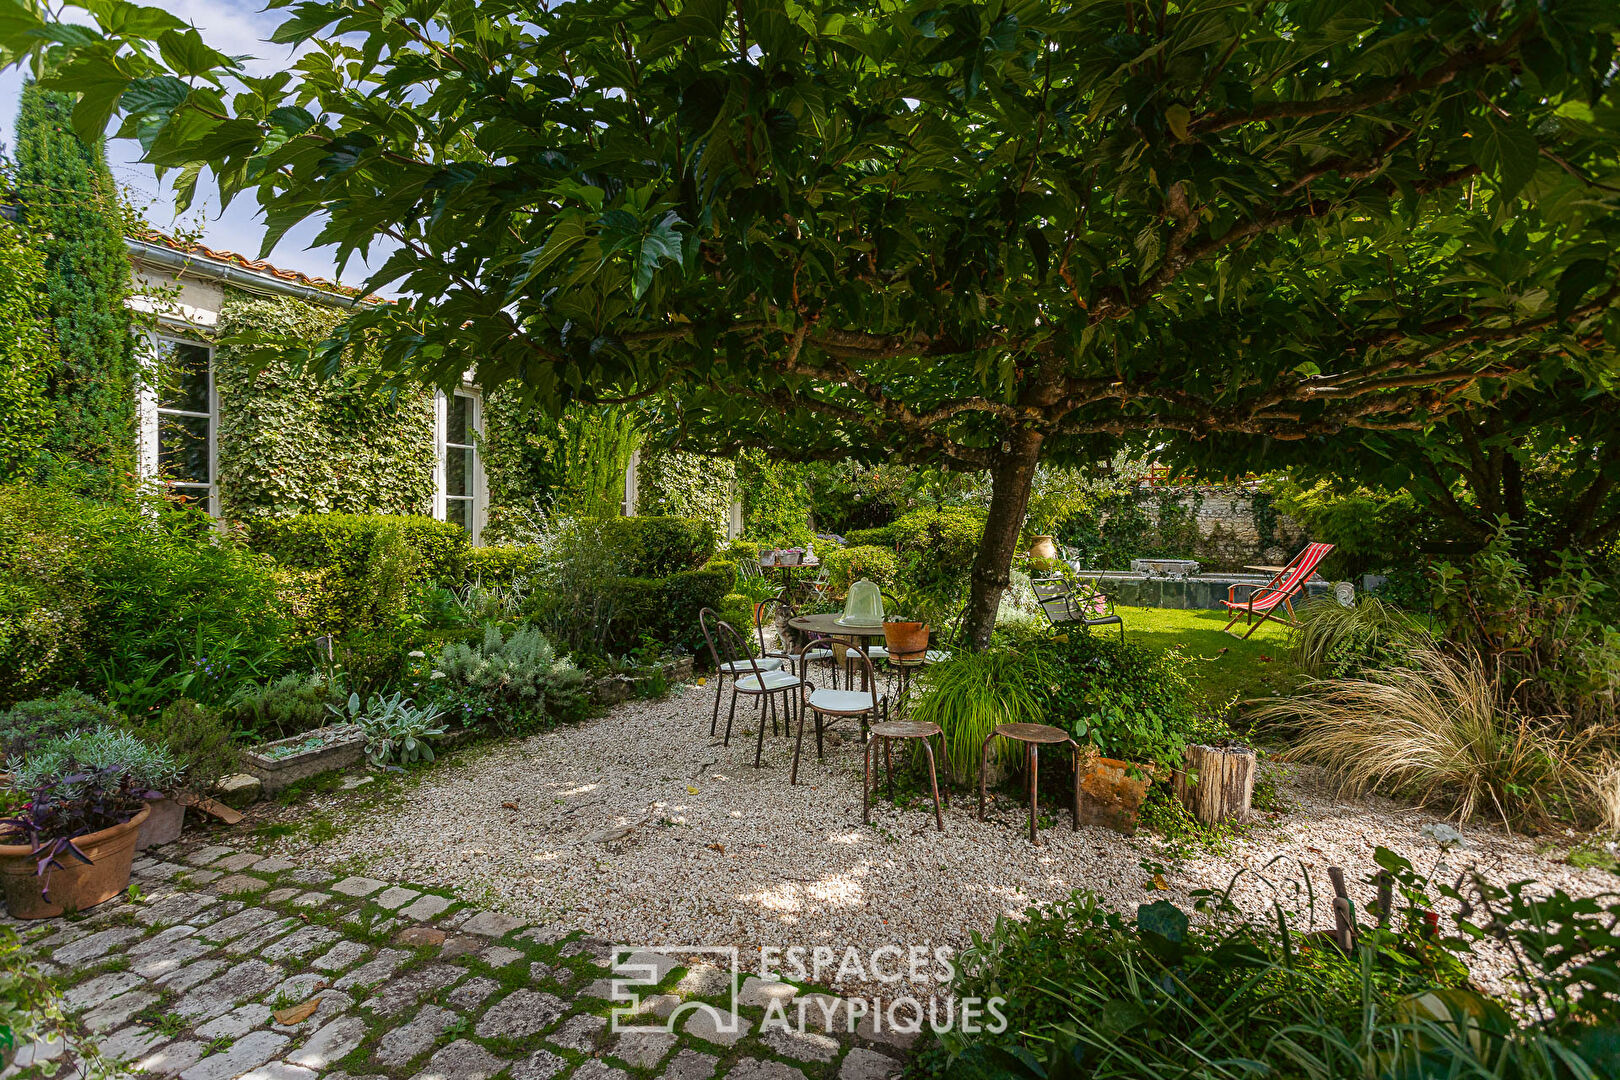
{"x": 199, "y": 741}
{"x": 949, "y": 534}
{"x": 134, "y": 590}
{"x": 848, "y": 565}
{"x": 30, "y": 722}
{"x": 576, "y": 593}
{"x": 351, "y": 573}
{"x": 281, "y": 707}
{"x": 79, "y": 761}
{"x": 883, "y": 536}
{"x": 666, "y": 609}
{"x": 1438, "y": 731}
{"x": 515, "y": 681}
{"x": 660, "y": 546}
{"x": 969, "y": 694}
{"x": 503, "y": 564}
{"x": 1133, "y": 702}
{"x": 1370, "y": 530}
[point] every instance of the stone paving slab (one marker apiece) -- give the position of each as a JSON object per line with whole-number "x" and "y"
{"x": 378, "y": 980}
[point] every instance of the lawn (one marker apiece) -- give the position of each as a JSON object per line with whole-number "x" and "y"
{"x": 1223, "y": 666}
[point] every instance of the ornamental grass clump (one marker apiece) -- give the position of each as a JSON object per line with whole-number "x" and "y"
{"x": 1334, "y": 641}
{"x": 969, "y": 694}
{"x": 1439, "y": 731}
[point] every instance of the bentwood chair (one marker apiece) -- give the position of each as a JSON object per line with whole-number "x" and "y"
{"x": 829, "y": 704}
{"x": 708, "y": 619}
{"x": 756, "y": 681}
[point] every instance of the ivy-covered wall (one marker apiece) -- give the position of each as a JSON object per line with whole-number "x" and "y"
{"x": 27, "y": 354}
{"x": 291, "y": 443}
{"x": 671, "y": 483}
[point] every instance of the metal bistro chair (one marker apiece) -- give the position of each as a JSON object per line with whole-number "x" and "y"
{"x": 760, "y": 683}
{"x": 830, "y": 704}
{"x": 708, "y": 618}
{"x": 772, "y": 611}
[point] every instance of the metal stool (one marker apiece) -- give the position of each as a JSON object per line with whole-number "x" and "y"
{"x": 888, "y": 731}
{"x": 1033, "y": 736}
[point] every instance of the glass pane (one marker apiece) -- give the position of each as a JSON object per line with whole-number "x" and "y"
{"x": 459, "y": 512}
{"x": 186, "y": 386}
{"x": 183, "y": 448}
{"x": 459, "y": 423}
{"x": 458, "y": 471}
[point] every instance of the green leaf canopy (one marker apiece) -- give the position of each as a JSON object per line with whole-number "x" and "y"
{"x": 972, "y": 234}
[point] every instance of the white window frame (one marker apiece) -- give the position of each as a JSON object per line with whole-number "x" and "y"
{"x": 479, "y": 498}
{"x": 150, "y": 415}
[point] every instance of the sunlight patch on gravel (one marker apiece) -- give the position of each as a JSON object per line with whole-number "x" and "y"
{"x": 608, "y": 837}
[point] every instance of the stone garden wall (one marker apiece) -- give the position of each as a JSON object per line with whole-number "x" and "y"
{"x": 1224, "y": 528}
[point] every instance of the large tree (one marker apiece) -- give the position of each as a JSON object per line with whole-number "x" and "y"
{"x": 977, "y": 235}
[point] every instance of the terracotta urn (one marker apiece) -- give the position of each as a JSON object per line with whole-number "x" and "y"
{"x": 1043, "y": 548}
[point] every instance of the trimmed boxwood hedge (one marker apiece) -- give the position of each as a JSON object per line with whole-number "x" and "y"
{"x": 666, "y": 609}
{"x": 502, "y": 564}
{"x": 339, "y": 573}
{"x": 848, "y": 565}
{"x": 657, "y": 547}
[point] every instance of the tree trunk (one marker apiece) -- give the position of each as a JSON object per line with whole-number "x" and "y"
{"x": 1010, "y": 482}
{"x": 1224, "y": 784}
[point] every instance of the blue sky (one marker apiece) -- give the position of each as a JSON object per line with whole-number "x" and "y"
{"x": 234, "y": 27}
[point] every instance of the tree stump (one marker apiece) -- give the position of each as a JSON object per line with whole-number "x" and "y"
{"x": 1216, "y": 783}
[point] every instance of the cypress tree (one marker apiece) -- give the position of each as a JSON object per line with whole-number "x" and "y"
{"x": 70, "y": 205}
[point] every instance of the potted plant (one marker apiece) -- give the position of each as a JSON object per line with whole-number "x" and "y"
{"x": 71, "y": 844}
{"x": 758, "y": 588}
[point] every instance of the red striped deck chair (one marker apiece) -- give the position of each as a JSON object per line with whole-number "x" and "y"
{"x": 1278, "y": 592}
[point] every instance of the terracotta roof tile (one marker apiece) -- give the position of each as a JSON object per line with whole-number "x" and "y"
{"x": 260, "y": 266}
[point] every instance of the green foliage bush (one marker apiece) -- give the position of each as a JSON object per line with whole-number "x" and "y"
{"x": 1557, "y": 639}
{"x": 776, "y": 499}
{"x": 291, "y": 442}
{"x": 947, "y": 534}
{"x": 132, "y": 592}
{"x": 350, "y": 573}
{"x": 971, "y": 693}
{"x": 197, "y": 738}
{"x": 676, "y": 484}
{"x": 659, "y": 546}
{"x": 280, "y": 707}
{"x": 29, "y": 722}
{"x": 882, "y": 536}
{"x": 517, "y": 682}
{"x": 1133, "y": 702}
{"x": 27, "y": 354}
{"x": 1090, "y": 993}
{"x": 848, "y": 565}
{"x": 1371, "y": 531}
{"x": 502, "y": 564}
{"x": 666, "y": 609}
{"x": 71, "y": 203}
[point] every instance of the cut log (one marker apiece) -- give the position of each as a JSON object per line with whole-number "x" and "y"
{"x": 1216, "y": 783}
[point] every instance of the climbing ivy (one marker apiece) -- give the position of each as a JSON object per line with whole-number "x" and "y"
{"x": 776, "y": 498}
{"x": 70, "y": 204}
{"x": 290, "y": 443}
{"x": 27, "y": 354}
{"x": 676, "y": 484}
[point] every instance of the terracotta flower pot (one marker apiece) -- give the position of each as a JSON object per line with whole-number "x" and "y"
{"x": 1110, "y": 795}
{"x": 163, "y": 825}
{"x": 906, "y": 640}
{"x": 1043, "y": 548}
{"x": 76, "y": 886}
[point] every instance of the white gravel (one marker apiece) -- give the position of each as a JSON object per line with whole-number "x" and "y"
{"x": 641, "y": 829}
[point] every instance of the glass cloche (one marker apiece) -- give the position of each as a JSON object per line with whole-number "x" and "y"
{"x": 864, "y": 607}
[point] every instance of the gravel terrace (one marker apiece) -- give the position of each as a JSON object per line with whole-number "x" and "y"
{"x": 641, "y": 829}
